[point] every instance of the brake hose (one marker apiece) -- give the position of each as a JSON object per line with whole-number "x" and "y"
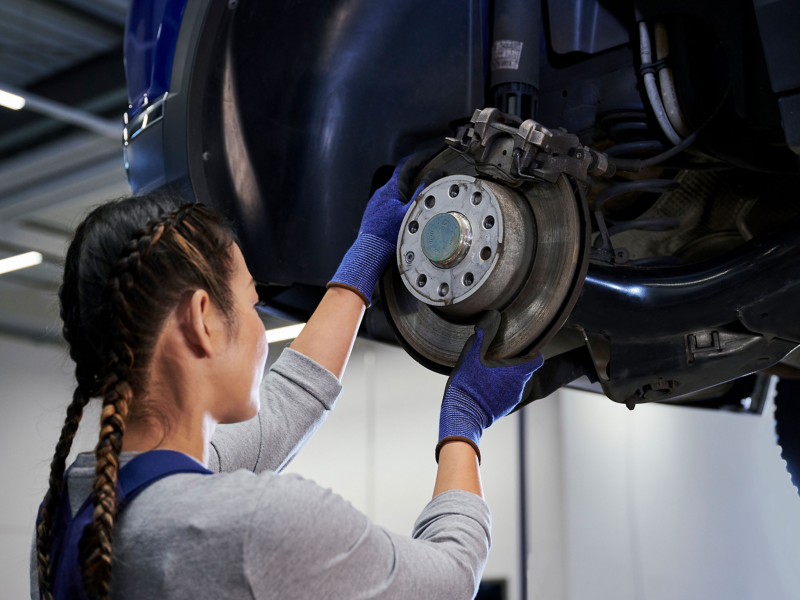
{"x": 648, "y": 71}
{"x": 667, "y": 82}
{"x": 635, "y": 164}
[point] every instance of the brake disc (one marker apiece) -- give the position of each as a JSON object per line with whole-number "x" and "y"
{"x": 486, "y": 236}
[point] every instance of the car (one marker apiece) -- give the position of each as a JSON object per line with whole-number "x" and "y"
{"x": 620, "y": 183}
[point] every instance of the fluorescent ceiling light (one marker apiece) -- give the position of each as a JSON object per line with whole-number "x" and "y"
{"x": 11, "y": 101}
{"x": 281, "y": 334}
{"x": 20, "y": 261}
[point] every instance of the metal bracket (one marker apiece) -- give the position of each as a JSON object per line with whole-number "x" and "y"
{"x": 607, "y": 253}
{"x": 537, "y": 154}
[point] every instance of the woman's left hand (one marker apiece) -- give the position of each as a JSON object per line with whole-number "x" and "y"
{"x": 376, "y": 243}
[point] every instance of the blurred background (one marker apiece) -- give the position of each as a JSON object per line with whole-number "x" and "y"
{"x": 589, "y": 500}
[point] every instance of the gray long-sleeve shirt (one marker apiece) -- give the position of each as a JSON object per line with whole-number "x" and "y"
{"x": 248, "y": 532}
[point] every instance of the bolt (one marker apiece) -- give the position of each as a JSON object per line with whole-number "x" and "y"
{"x": 413, "y": 227}
{"x": 453, "y": 191}
{"x": 421, "y": 281}
{"x": 206, "y": 156}
{"x": 579, "y": 155}
{"x": 443, "y": 289}
{"x": 409, "y": 257}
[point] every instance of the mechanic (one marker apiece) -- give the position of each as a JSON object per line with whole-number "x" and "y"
{"x": 159, "y": 311}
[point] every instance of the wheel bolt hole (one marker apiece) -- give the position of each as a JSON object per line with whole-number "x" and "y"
{"x": 453, "y": 191}
{"x": 443, "y": 289}
{"x": 476, "y": 198}
{"x": 468, "y": 279}
{"x": 413, "y": 227}
{"x": 488, "y": 222}
{"x": 486, "y": 252}
{"x": 430, "y": 202}
{"x": 421, "y": 281}
{"x": 409, "y": 257}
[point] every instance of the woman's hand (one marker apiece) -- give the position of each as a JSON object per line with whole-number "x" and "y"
{"x": 376, "y": 243}
{"x": 330, "y": 333}
{"x": 477, "y": 394}
{"x": 480, "y": 391}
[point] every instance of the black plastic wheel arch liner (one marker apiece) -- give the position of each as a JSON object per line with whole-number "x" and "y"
{"x": 280, "y": 114}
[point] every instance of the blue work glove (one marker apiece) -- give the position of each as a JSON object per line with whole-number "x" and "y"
{"x": 376, "y": 243}
{"x": 479, "y": 391}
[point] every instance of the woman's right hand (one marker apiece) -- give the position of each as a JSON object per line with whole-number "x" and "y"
{"x": 480, "y": 391}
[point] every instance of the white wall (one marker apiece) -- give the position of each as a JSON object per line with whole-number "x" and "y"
{"x": 36, "y": 384}
{"x": 660, "y": 503}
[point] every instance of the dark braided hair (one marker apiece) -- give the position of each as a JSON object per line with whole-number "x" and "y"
{"x": 130, "y": 264}
{"x": 84, "y": 390}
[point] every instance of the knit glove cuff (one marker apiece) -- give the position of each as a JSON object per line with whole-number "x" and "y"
{"x": 363, "y": 265}
{"x": 462, "y": 419}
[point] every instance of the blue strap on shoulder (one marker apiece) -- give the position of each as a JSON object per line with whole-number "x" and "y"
{"x": 133, "y": 478}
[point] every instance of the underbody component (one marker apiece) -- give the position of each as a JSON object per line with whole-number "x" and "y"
{"x": 699, "y": 324}
{"x": 504, "y": 230}
{"x": 514, "y": 56}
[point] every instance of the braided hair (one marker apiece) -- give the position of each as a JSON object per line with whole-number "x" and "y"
{"x": 130, "y": 264}
{"x": 84, "y": 390}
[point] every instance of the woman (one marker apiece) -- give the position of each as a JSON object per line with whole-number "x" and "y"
{"x": 159, "y": 313}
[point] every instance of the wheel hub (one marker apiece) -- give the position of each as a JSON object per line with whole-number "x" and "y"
{"x": 465, "y": 245}
{"x": 446, "y": 239}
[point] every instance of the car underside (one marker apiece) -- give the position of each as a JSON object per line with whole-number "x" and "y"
{"x": 619, "y": 180}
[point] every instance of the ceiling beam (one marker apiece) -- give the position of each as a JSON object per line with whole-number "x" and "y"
{"x": 65, "y": 114}
{"x": 44, "y": 128}
{"x": 79, "y": 86}
{"x": 84, "y": 15}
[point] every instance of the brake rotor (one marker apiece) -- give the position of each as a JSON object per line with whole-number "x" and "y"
{"x": 471, "y": 243}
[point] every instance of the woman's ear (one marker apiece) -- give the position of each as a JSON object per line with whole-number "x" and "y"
{"x": 198, "y": 324}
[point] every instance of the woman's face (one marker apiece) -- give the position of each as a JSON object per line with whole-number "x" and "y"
{"x": 246, "y": 355}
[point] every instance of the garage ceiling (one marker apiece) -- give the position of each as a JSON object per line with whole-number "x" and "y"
{"x": 51, "y": 174}
{"x": 43, "y": 37}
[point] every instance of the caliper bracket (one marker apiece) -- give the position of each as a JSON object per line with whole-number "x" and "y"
{"x": 538, "y": 153}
